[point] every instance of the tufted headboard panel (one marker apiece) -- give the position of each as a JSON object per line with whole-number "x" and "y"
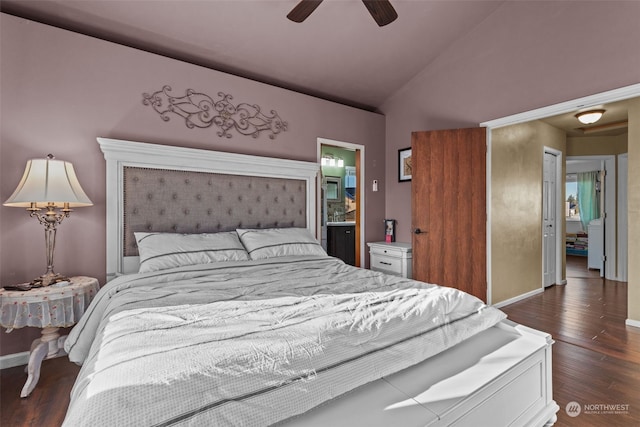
{"x": 181, "y": 201}
{"x": 165, "y": 188}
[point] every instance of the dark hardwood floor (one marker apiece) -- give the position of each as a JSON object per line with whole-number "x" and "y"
{"x": 596, "y": 358}
{"x": 47, "y": 404}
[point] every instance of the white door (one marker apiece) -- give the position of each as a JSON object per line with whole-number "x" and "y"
{"x": 549, "y": 219}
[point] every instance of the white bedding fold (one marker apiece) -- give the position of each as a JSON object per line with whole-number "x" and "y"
{"x": 256, "y": 342}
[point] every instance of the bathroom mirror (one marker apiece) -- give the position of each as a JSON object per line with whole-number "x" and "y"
{"x": 334, "y": 185}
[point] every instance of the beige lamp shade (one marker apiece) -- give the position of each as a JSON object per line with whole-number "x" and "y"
{"x": 47, "y": 181}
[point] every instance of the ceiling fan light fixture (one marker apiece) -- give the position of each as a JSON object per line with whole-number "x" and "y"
{"x": 381, "y": 11}
{"x": 589, "y": 117}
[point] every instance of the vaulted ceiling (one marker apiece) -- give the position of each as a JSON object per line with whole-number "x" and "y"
{"x": 338, "y": 53}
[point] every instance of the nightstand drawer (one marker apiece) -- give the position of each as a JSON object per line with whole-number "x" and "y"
{"x": 391, "y": 258}
{"x": 386, "y": 264}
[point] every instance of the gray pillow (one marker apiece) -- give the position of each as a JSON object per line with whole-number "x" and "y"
{"x": 279, "y": 242}
{"x": 160, "y": 251}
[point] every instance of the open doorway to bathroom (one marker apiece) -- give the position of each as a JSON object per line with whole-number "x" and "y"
{"x": 341, "y": 200}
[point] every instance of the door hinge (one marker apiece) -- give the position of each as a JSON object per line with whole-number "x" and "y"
{"x": 604, "y": 257}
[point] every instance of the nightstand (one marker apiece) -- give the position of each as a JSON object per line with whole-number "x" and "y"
{"x": 49, "y": 308}
{"x": 392, "y": 258}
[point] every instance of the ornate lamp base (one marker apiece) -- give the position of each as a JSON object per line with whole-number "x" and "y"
{"x": 50, "y": 220}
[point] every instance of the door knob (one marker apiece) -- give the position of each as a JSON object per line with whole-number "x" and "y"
{"x": 417, "y": 231}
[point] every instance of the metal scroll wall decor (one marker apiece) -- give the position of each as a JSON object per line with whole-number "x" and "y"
{"x": 200, "y": 110}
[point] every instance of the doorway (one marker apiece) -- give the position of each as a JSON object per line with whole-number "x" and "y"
{"x": 341, "y": 193}
{"x": 551, "y": 232}
{"x": 604, "y": 252}
{"x": 624, "y": 93}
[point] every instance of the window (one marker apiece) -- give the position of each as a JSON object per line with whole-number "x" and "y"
{"x": 572, "y": 210}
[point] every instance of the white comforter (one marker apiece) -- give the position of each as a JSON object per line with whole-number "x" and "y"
{"x": 254, "y": 342}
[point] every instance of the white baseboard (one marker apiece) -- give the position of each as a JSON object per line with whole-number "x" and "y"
{"x": 634, "y": 323}
{"x": 15, "y": 359}
{"x": 518, "y": 298}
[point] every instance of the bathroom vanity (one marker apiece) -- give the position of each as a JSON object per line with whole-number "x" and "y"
{"x": 341, "y": 241}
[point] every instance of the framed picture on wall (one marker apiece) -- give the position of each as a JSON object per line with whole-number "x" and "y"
{"x": 404, "y": 164}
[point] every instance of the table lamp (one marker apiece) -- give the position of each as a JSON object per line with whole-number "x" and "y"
{"x": 49, "y": 184}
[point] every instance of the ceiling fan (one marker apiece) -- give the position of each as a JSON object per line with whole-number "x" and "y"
{"x": 381, "y": 11}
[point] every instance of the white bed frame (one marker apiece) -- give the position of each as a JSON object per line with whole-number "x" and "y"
{"x": 120, "y": 154}
{"x": 500, "y": 377}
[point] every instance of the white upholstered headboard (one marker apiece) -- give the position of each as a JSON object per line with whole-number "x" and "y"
{"x": 164, "y": 188}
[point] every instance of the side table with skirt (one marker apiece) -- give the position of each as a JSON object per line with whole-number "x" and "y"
{"x": 49, "y": 308}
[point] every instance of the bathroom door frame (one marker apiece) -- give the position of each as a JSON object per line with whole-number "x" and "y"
{"x": 360, "y": 202}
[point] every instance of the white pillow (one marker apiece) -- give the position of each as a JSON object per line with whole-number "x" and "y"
{"x": 160, "y": 251}
{"x": 278, "y": 242}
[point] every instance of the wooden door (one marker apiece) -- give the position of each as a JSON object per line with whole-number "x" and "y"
{"x": 448, "y": 211}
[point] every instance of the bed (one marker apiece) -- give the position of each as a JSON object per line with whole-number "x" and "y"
{"x": 222, "y": 308}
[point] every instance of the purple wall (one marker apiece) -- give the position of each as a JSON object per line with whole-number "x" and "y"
{"x": 526, "y": 55}
{"x": 61, "y": 90}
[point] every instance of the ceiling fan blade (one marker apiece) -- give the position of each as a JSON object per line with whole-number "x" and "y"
{"x": 303, "y": 10}
{"x": 381, "y": 10}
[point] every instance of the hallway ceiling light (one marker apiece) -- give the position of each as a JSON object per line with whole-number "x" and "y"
{"x": 591, "y": 116}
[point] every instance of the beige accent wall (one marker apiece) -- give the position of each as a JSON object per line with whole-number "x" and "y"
{"x": 596, "y": 145}
{"x": 517, "y": 153}
{"x": 634, "y": 211}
